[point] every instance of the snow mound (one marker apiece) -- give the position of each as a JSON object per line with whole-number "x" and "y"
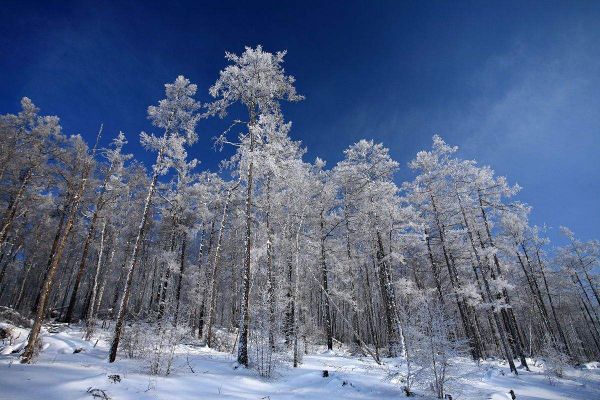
{"x": 592, "y": 365}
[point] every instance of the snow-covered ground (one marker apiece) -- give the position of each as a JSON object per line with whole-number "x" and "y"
{"x": 201, "y": 373}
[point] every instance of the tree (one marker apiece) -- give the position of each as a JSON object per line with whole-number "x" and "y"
{"x": 177, "y": 116}
{"x": 28, "y": 141}
{"x": 81, "y": 162}
{"x": 257, "y": 80}
{"x": 366, "y": 176}
{"x": 455, "y": 193}
{"x": 110, "y": 183}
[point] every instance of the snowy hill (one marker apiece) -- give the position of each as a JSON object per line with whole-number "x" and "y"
{"x": 201, "y": 373}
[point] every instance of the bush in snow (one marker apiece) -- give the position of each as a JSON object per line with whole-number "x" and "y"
{"x": 133, "y": 340}
{"x": 13, "y": 317}
{"x": 160, "y": 349}
{"x": 6, "y": 332}
{"x": 555, "y": 360}
{"x": 430, "y": 341}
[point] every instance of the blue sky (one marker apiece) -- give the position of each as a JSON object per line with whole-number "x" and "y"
{"x": 516, "y": 86}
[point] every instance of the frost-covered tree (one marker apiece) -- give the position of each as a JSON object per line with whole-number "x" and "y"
{"x": 457, "y": 199}
{"x": 75, "y": 159}
{"x": 28, "y": 140}
{"x": 371, "y": 200}
{"x": 110, "y": 184}
{"x": 257, "y": 80}
{"x": 177, "y": 116}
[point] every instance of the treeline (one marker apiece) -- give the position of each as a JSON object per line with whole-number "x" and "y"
{"x": 286, "y": 252}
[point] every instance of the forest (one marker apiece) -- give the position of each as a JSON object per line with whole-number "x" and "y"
{"x": 272, "y": 253}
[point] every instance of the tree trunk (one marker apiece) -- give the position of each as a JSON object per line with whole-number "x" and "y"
{"x": 288, "y": 322}
{"x": 535, "y": 291}
{"x": 90, "y": 318}
{"x": 17, "y": 302}
{"x": 584, "y": 269}
{"x": 11, "y": 211}
{"x": 352, "y": 278}
{"x": 201, "y": 310}
{"x": 162, "y": 297}
{"x": 552, "y": 307}
{"x": 395, "y": 339}
{"x": 84, "y": 254}
{"x": 181, "y": 272}
{"x": 134, "y": 257}
{"x": 586, "y": 297}
{"x": 242, "y": 356}
{"x": 12, "y": 254}
{"x": 325, "y": 283}
{"x": 434, "y": 268}
{"x": 214, "y": 272}
{"x": 270, "y": 275}
{"x": 296, "y": 328}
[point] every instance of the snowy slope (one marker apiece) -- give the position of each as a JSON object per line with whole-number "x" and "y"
{"x": 201, "y": 373}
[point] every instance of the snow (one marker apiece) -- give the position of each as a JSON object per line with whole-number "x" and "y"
{"x": 495, "y": 382}
{"x": 202, "y": 373}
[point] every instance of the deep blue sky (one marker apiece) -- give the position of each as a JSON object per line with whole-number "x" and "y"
{"x": 515, "y": 86}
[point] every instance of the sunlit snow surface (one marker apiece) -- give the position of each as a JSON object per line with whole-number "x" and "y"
{"x": 60, "y": 374}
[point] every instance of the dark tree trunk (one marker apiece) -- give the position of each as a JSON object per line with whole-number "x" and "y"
{"x": 81, "y": 269}
{"x": 215, "y": 270}
{"x": 270, "y": 275}
{"x": 395, "y": 340}
{"x": 552, "y": 307}
{"x": 325, "y": 283}
{"x": 181, "y": 272}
